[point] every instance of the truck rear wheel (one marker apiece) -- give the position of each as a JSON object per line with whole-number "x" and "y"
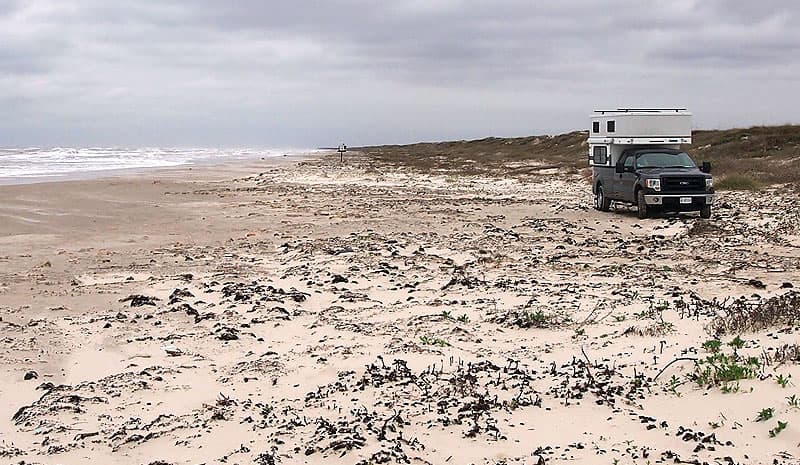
{"x": 705, "y": 212}
{"x": 601, "y": 202}
{"x": 641, "y": 205}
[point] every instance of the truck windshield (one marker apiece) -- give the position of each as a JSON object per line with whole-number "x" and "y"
{"x": 664, "y": 160}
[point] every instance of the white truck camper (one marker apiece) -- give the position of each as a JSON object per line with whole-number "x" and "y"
{"x": 614, "y": 131}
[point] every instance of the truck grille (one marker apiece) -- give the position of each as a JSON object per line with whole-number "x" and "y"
{"x": 683, "y": 184}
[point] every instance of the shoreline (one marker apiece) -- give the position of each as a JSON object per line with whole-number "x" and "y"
{"x": 226, "y": 162}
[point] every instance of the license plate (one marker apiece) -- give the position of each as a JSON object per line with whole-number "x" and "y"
{"x": 685, "y": 200}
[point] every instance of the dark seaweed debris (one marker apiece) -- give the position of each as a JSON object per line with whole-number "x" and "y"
{"x": 138, "y": 300}
{"x": 255, "y": 292}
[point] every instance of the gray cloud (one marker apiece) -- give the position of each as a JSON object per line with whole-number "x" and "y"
{"x": 307, "y": 73}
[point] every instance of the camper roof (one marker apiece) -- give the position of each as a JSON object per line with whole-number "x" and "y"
{"x": 641, "y": 111}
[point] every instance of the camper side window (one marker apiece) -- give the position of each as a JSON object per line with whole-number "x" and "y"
{"x": 600, "y": 155}
{"x": 595, "y": 127}
{"x": 611, "y": 126}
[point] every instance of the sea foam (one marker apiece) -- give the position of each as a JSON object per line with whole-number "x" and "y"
{"x": 33, "y": 163}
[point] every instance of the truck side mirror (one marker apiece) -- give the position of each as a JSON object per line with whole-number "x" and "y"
{"x": 706, "y": 167}
{"x": 619, "y": 168}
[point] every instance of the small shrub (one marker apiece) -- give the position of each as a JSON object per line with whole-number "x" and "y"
{"x": 720, "y": 369}
{"x": 712, "y": 345}
{"x": 765, "y": 414}
{"x": 744, "y": 314}
{"x": 434, "y": 341}
{"x": 658, "y": 328}
{"x": 534, "y": 318}
{"x": 528, "y": 318}
{"x": 783, "y": 380}
{"x": 737, "y": 343}
{"x": 777, "y": 430}
{"x": 674, "y": 382}
{"x": 654, "y": 312}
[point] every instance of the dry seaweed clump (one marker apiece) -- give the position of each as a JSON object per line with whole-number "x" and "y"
{"x": 656, "y": 329}
{"x": 787, "y": 353}
{"x": 705, "y": 228}
{"x": 528, "y": 318}
{"x": 745, "y": 314}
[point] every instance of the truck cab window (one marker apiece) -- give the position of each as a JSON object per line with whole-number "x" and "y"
{"x": 629, "y": 161}
{"x": 665, "y": 159}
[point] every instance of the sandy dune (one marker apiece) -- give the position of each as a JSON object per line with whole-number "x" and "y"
{"x": 325, "y": 313}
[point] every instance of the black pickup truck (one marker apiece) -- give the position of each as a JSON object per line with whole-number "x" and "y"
{"x": 655, "y": 179}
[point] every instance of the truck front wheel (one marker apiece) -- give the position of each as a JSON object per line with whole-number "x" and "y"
{"x": 601, "y": 202}
{"x": 705, "y": 212}
{"x": 641, "y": 205}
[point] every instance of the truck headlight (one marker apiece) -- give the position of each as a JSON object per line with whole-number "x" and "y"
{"x": 709, "y": 184}
{"x": 654, "y": 184}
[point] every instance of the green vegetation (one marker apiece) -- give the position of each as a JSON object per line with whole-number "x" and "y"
{"x": 737, "y": 182}
{"x": 720, "y": 369}
{"x": 767, "y": 154}
{"x": 777, "y": 430}
{"x": 712, "y": 345}
{"x": 527, "y": 318}
{"x": 765, "y": 414}
{"x": 783, "y": 380}
{"x": 674, "y": 382}
{"x": 737, "y": 342}
{"x": 434, "y": 341}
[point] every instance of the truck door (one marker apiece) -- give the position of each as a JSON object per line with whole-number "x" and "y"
{"x": 623, "y": 182}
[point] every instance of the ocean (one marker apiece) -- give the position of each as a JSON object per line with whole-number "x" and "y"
{"x": 29, "y": 165}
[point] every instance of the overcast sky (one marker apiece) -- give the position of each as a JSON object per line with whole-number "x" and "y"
{"x": 311, "y": 73}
